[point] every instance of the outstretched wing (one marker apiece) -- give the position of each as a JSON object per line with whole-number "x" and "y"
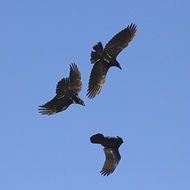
{"x": 75, "y": 78}
{"x": 120, "y": 40}
{"x": 97, "y": 79}
{"x": 72, "y": 83}
{"x": 107, "y": 142}
{"x": 112, "y": 159}
{"x": 62, "y": 87}
{"x": 54, "y": 106}
{"x": 97, "y": 138}
{"x": 48, "y": 108}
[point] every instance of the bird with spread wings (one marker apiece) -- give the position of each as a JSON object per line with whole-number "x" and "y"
{"x": 104, "y": 58}
{"x": 111, "y": 150}
{"x": 66, "y": 93}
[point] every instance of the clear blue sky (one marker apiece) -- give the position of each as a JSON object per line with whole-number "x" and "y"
{"x": 147, "y": 103}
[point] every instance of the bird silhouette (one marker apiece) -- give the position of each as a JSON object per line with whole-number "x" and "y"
{"x": 111, "y": 149}
{"x": 66, "y": 93}
{"x": 104, "y": 58}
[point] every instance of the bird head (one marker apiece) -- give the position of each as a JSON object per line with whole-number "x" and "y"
{"x": 76, "y": 99}
{"x": 81, "y": 102}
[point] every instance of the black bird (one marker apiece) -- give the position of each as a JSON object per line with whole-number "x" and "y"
{"x": 111, "y": 149}
{"x": 104, "y": 58}
{"x": 66, "y": 93}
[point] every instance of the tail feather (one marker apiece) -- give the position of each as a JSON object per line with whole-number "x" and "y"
{"x": 97, "y": 139}
{"x": 97, "y": 53}
{"x": 98, "y": 47}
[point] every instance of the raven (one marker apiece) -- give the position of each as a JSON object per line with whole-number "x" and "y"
{"x": 66, "y": 93}
{"x": 104, "y": 58}
{"x": 111, "y": 149}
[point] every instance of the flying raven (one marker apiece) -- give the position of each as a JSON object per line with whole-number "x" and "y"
{"x": 66, "y": 93}
{"x": 111, "y": 149}
{"x": 104, "y": 58}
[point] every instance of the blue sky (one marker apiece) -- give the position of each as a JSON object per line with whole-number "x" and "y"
{"x": 147, "y": 103}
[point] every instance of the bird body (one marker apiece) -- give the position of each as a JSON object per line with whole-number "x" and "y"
{"x": 111, "y": 150}
{"x": 104, "y": 58}
{"x": 66, "y": 93}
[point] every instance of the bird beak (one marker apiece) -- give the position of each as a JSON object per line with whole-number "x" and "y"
{"x": 119, "y": 66}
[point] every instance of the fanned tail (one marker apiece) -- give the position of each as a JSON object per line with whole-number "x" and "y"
{"x": 97, "y": 53}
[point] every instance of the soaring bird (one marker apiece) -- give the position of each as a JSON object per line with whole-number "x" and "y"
{"x": 66, "y": 93}
{"x": 104, "y": 58}
{"x": 111, "y": 149}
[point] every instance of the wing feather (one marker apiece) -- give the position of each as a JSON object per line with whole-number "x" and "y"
{"x": 121, "y": 40}
{"x": 75, "y": 78}
{"x": 97, "y": 79}
{"x": 112, "y": 159}
{"x": 53, "y": 106}
{"x": 73, "y": 83}
{"x": 62, "y": 87}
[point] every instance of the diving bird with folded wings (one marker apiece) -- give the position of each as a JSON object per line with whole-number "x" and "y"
{"x": 104, "y": 58}
{"x": 111, "y": 150}
{"x": 66, "y": 93}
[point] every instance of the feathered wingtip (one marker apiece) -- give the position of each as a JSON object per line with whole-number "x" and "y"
{"x": 97, "y": 139}
{"x": 45, "y": 110}
{"x": 97, "y": 53}
{"x": 106, "y": 173}
{"x": 133, "y": 29}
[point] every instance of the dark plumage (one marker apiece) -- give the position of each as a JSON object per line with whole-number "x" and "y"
{"x": 104, "y": 58}
{"x": 66, "y": 93}
{"x": 111, "y": 149}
